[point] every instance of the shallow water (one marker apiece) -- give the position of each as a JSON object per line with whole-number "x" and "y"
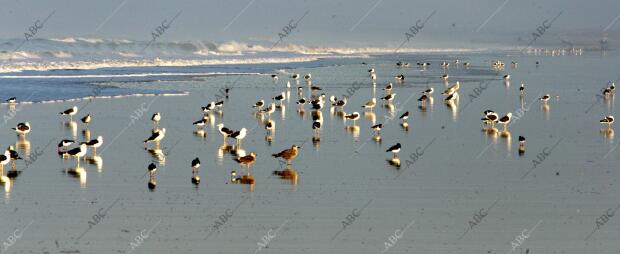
{"x": 459, "y": 170}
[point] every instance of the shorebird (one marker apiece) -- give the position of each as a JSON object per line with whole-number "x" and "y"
{"x": 522, "y": 89}
{"x": 288, "y": 154}
{"x": 377, "y": 129}
{"x": 87, "y": 119}
{"x": 423, "y": 98}
{"x": 157, "y": 136}
{"x": 607, "y": 120}
{"x": 239, "y": 135}
{"x": 202, "y": 122}
{"x": 259, "y": 104}
{"x": 353, "y": 116}
{"x": 372, "y": 70}
{"x": 612, "y": 86}
{"x": 400, "y": 77}
{"x": 22, "y": 128}
{"x": 445, "y": 64}
{"x": 404, "y": 117}
{"x": 64, "y": 144}
{"x": 373, "y": 76}
{"x": 71, "y": 112}
{"x": 307, "y": 77}
{"x": 505, "y": 120}
{"x": 280, "y": 98}
{"x": 14, "y": 156}
{"x": 340, "y": 103}
{"x": 429, "y": 91}
{"x": 394, "y": 150}
{"x": 452, "y": 89}
{"x": 95, "y": 143}
{"x": 545, "y": 98}
{"x": 388, "y": 88}
{"x": 466, "y": 64}
{"x": 78, "y": 152}
{"x": 490, "y": 118}
{"x": 606, "y": 92}
{"x": 195, "y": 166}
{"x": 247, "y": 160}
{"x": 274, "y": 77}
{"x": 208, "y": 108}
{"x": 507, "y": 77}
{"x": 224, "y": 131}
{"x": 370, "y": 104}
{"x": 445, "y": 77}
{"x": 270, "y": 126}
{"x": 451, "y": 97}
{"x": 4, "y": 159}
{"x": 152, "y": 169}
{"x": 389, "y": 98}
{"x": 269, "y": 109}
{"x": 11, "y": 100}
{"x": 318, "y": 103}
{"x": 219, "y": 105}
{"x": 156, "y": 118}
{"x": 316, "y": 128}
{"x": 301, "y": 102}
{"x": 295, "y": 76}
{"x": 521, "y": 145}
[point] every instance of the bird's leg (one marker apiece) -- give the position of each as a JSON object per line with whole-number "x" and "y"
{"x": 78, "y": 163}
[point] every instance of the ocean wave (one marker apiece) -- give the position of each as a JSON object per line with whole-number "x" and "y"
{"x": 198, "y": 74}
{"x": 101, "y": 97}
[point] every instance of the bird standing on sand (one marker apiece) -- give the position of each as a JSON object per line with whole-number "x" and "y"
{"x": 288, "y": 154}
{"x": 95, "y": 143}
{"x": 224, "y": 131}
{"x": 239, "y": 135}
{"x": 353, "y": 116}
{"x": 11, "y": 100}
{"x": 490, "y": 118}
{"x": 247, "y": 160}
{"x": 156, "y": 118}
{"x": 78, "y": 152}
{"x": 505, "y": 120}
{"x": 64, "y": 144}
{"x": 22, "y": 128}
{"x": 280, "y": 98}
{"x": 195, "y": 167}
{"x": 157, "y": 136}
{"x": 259, "y": 104}
{"x": 395, "y": 149}
{"x": 201, "y": 123}
{"x": 70, "y": 112}
{"x": 545, "y": 98}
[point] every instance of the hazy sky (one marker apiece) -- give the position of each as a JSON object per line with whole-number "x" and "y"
{"x": 328, "y": 22}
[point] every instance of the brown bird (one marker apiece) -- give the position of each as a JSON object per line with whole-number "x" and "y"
{"x": 248, "y": 160}
{"x": 288, "y": 154}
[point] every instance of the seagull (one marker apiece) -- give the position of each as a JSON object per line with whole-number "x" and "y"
{"x": 224, "y": 131}
{"x": 288, "y": 154}
{"x": 155, "y": 118}
{"x": 389, "y": 98}
{"x": 452, "y": 89}
{"x": 87, "y": 119}
{"x": 11, "y": 100}
{"x": 247, "y": 160}
{"x": 372, "y": 70}
{"x": 72, "y": 111}
{"x": 195, "y": 166}
{"x": 373, "y": 76}
{"x": 394, "y": 149}
{"x": 64, "y": 144}
{"x": 301, "y": 102}
{"x": 152, "y": 168}
{"x": 201, "y": 123}
{"x": 429, "y": 91}
{"x": 507, "y": 77}
{"x": 274, "y": 77}
{"x": 607, "y": 120}
{"x": 466, "y": 64}
{"x": 269, "y": 109}
{"x": 377, "y": 129}
{"x": 353, "y": 116}
{"x": 208, "y": 108}
{"x": 280, "y": 98}
{"x": 270, "y": 126}
{"x": 239, "y": 135}
{"x": 521, "y": 145}
{"x": 505, "y": 120}
{"x": 4, "y": 159}
{"x": 490, "y": 117}
{"x": 404, "y": 117}
{"x": 388, "y": 88}
{"x": 400, "y": 77}
{"x": 14, "y": 156}
{"x": 259, "y": 104}
{"x": 295, "y": 76}
{"x": 95, "y": 143}
{"x": 522, "y": 89}
{"x": 445, "y": 77}
{"x": 612, "y": 86}
{"x": 370, "y": 104}
{"x": 78, "y": 152}
{"x": 340, "y": 103}
{"x": 22, "y": 128}
{"x": 308, "y": 76}
{"x": 545, "y": 98}
{"x": 157, "y": 136}
{"x": 316, "y": 127}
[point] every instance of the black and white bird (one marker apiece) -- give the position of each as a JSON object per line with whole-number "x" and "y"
{"x": 308, "y": 76}
{"x": 371, "y": 70}
{"x": 14, "y": 156}
{"x": 270, "y": 126}
{"x": 78, "y": 152}
{"x": 316, "y": 128}
{"x": 353, "y": 116}
{"x": 87, "y": 119}
{"x": 157, "y": 136}
{"x": 295, "y": 76}
{"x": 11, "y": 100}
{"x": 388, "y": 88}
{"x": 226, "y": 132}
{"x": 373, "y": 76}
{"x": 202, "y": 122}
{"x": 612, "y": 86}
{"x": 22, "y": 128}
{"x": 389, "y": 98}
{"x": 4, "y": 159}
{"x": 466, "y": 64}
{"x": 454, "y": 88}
{"x": 207, "y": 109}
{"x": 404, "y": 117}
{"x": 522, "y": 89}
{"x": 545, "y": 98}
{"x": 521, "y": 145}
{"x": 505, "y": 120}
{"x": 239, "y": 135}
{"x": 70, "y": 112}
{"x": 301, "y": 102}
{"x": 274, "y": 77}
{"x": 607, "y": 120}
{"x": 423, "y": 98}
{"x": 219, "y": 105}
{"x": 156, "y": 118}
{"x": 395, "y": 149}
{"x": 507, "y": 77}
{"x": 400, "y": 77}
{"x": 195, "y": 174}
{"x": 445, "y": 77}
{"x": 490, "y": 118}
{"x": 280, "y": 98}
{"x": 152, "y": 170}
{"x": 259, "y": 104}
{"x": 95, "y": 143}
{"x": 269, "y": 110}
{"x": 64, "y": 144}
{"x": 340, "y": 103}
{"x": 429, "y": 91}
{"x": 377, "y": 128}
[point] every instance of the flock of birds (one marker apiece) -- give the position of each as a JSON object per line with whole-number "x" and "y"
{"x": 69, "y": 148}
